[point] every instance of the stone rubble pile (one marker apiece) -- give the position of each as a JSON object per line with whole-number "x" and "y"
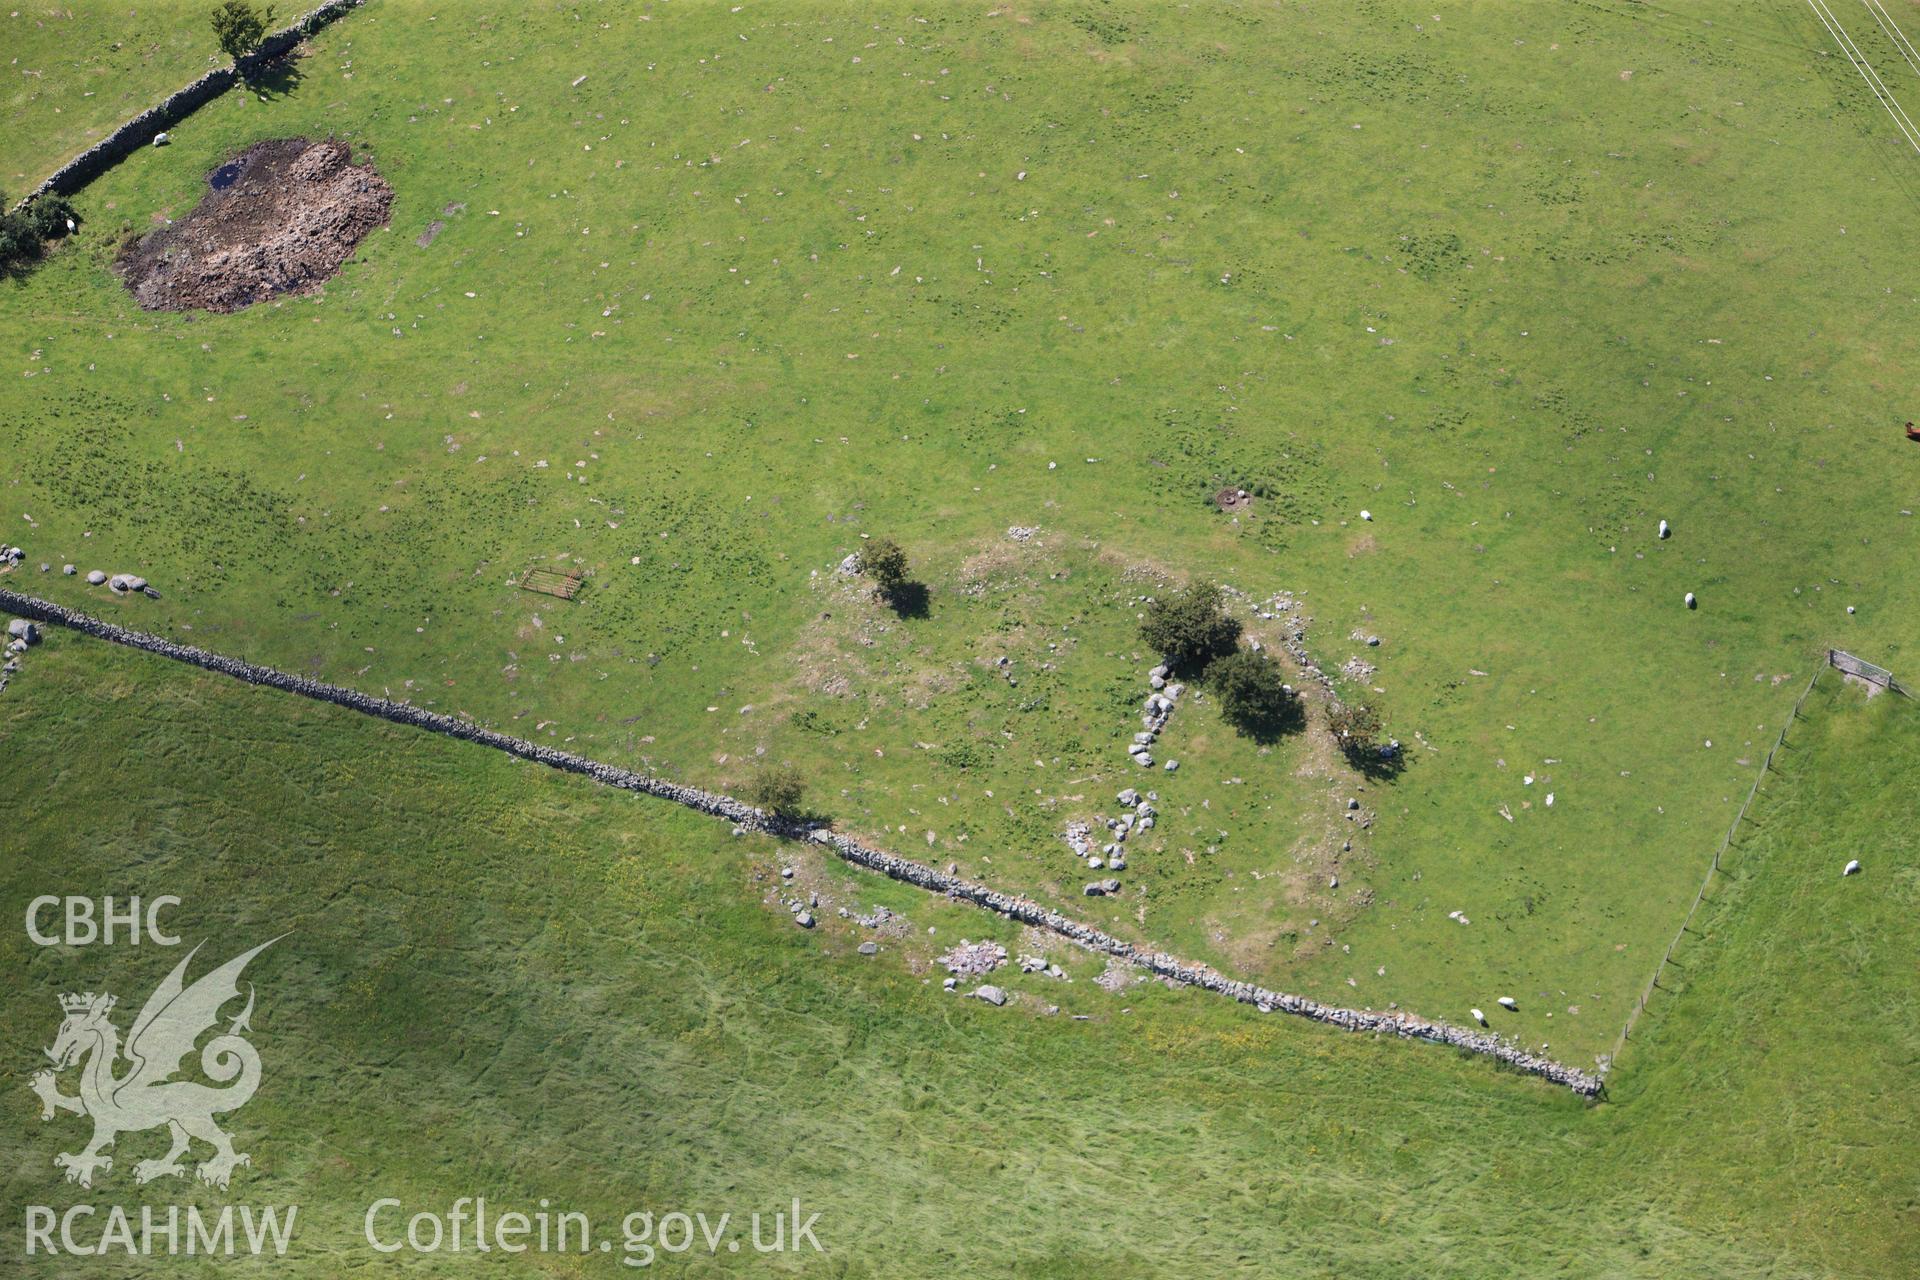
{"x": 1159, "y": 705}
{"x": 974, "y": 959}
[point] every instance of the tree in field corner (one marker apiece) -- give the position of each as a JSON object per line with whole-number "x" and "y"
{"x": 239, "y": 27}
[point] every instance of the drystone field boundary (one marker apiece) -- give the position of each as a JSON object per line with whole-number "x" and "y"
{"x": 181, "y": 103}
{"x": 1399, "y": 1024}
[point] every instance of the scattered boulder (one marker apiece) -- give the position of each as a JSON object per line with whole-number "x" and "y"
{"x": 96, "y": 577}
{"x": 991, "y": 994}
{"x": 68, "y": 569}
{"x": 1101, "y": 888}
{"x": 804, "y": 920}
{"x": 21, "y": 629}
{"x": 869, "y": 948}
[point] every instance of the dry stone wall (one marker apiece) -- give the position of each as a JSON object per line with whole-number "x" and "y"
{"x": 178, "y": 105}
{"x": 745, "y": 816}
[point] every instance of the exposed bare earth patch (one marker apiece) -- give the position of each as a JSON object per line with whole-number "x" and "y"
{"x": 278, "y": 218}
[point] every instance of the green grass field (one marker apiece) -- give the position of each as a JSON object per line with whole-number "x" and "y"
{"x": 74, "y": 72}
{"x": 1519, "y": 280}
{"x": 1466, "y": 275}
{"x": 507, "y": 981}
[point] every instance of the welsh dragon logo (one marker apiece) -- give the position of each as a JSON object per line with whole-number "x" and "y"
{"x": 146, "y": 1096}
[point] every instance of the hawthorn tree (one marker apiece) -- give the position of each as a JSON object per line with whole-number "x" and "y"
{"x": 885, "y": 563}
{"x": 239, "y": 26}
{"x": 1357, "y": 729}
{"x": 1190, "y": 628}
{"x": 1252, "y": 694}
{"x": 780, "y": 789}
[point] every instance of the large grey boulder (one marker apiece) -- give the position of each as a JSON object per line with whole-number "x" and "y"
{"x": 1101, "y": 888}
{"x": 991, "y": 994}
{"x": 21, "y": 629}
{"x": 96, "y": 577}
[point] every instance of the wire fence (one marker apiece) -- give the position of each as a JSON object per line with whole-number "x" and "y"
{"x": 1713, "y": 868}
{"x": 1848, "y": 664}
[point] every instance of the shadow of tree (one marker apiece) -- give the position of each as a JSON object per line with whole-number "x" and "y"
{"x": 1267, "y": 725}
{"x": 273, "y": 77}
{"x": 908, "y": 599}
{"x": 1375, "y": 763}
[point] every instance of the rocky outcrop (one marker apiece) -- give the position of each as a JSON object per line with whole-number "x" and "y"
{"x": 1173, "y": 968}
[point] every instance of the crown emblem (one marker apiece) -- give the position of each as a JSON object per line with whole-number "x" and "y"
{"x": 86, "y": 1001}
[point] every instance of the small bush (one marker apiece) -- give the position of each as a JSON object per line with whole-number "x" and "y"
{"x": 238, "y": 26}
{"x": 48, "y": 217}
{"x": 1252, "y": 694}
{"x": 1190, "y": 628}
{"x": 18, "y": 241}
{"x": 885, "y": 563}
{"x": 1357, "y": 730}
{"x": 779, "y": 789}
